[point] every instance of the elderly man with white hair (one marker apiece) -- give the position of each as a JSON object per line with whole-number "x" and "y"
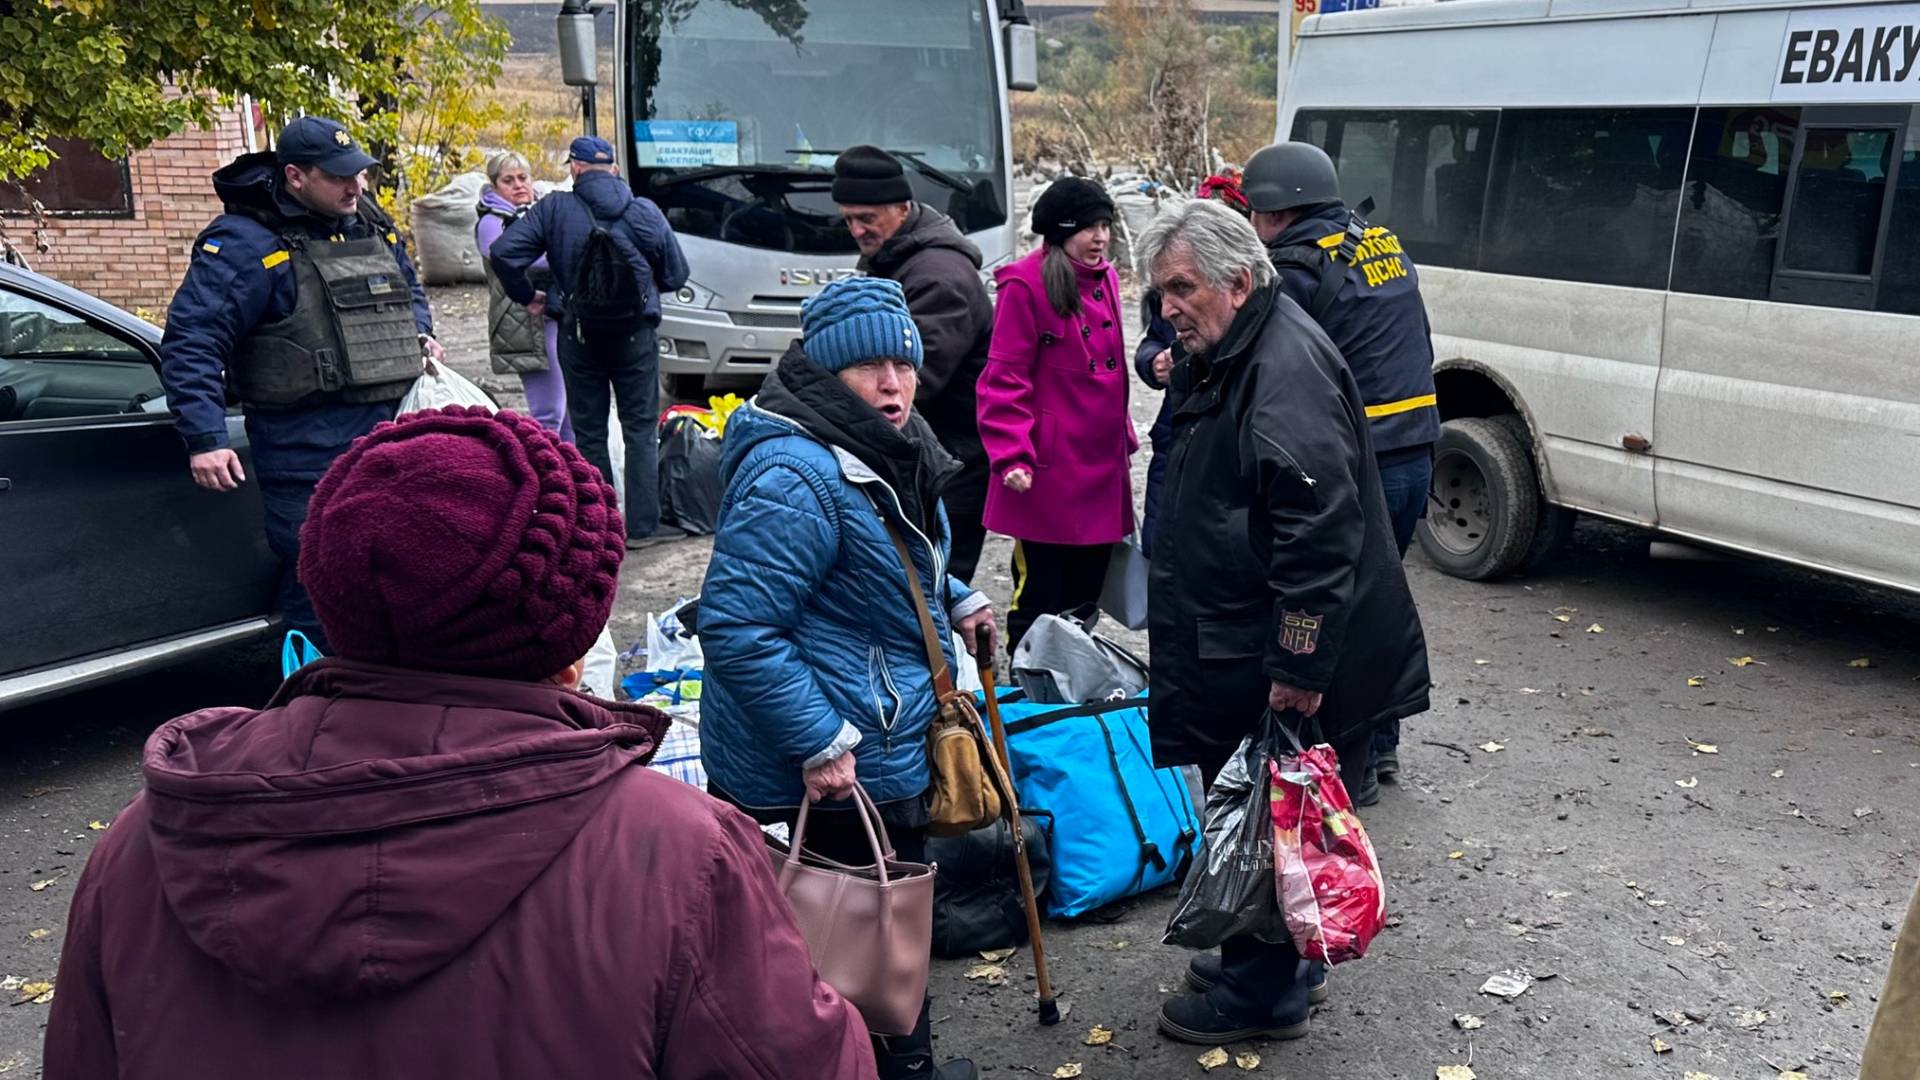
{"x": 1275, "y": 582}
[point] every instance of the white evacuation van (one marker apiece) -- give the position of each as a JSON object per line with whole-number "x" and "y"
{"x": 1671, "y": 254}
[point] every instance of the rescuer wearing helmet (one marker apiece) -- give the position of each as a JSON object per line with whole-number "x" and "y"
{"x": 1360, "y": 285}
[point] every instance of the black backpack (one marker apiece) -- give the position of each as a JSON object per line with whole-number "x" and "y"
{"x": 606, "y": 289}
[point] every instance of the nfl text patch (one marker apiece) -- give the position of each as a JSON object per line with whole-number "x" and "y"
{"x": 1299, "y": 632}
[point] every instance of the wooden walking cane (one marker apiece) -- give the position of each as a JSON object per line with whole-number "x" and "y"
{"x": 1049, "y": 1009}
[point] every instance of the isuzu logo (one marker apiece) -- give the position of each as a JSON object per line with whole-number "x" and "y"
{"x": 822, "y": 275}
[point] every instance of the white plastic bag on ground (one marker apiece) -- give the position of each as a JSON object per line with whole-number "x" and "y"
{"x": 439, "y": 386}
{"x": 598, "y": 680}
{"x": 669, "y": 646}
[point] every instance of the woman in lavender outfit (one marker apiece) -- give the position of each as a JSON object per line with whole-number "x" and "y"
{"x": 519, "y": 341}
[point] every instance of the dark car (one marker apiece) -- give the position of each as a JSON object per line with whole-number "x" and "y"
{"x": 112, "y": 561}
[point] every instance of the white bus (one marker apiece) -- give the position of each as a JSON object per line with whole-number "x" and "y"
{"x": 730, "y": 114}
{"x": 1671, "y": 255}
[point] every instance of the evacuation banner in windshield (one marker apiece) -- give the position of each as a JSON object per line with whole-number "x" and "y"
{"x": 690, "y": 143}
{"x": 1850, "y": 54}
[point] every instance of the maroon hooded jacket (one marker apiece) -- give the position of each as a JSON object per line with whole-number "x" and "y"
{"x": 395, "y": 874}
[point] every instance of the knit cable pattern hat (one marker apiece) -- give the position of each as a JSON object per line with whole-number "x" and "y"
{"x": 463, "y": 541}
{"x": 858, "y": 319}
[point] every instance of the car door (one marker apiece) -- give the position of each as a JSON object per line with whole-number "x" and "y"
{"x": 105, "y": 541}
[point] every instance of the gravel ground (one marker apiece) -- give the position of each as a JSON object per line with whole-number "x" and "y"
{"x": 1736, "y": 905}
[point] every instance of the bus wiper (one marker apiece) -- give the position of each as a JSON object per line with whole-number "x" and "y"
{"x": 708, "y": 172}
{"x": 912, "y": 157}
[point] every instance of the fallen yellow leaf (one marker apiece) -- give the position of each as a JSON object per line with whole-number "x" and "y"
{"x": 1116, "y": 946}
{"x": 994, "y": 974}
{"x": 39, "y": 993}
{"x": 1701, "y": 1076}
{"x": 1098, "y": 1036}
{"x": 1676, "y": 942}
{"x": 994, "y": 956}
{"x": 39, "y": 935}
{"x": 1563, "y": 618}
{"x": 1247, "y": 1062}
{"x": 1452, "y": 1072}
{"x": 43, "y": 886}
{"x": 1862, "y": 662}
{"x": 1792, "y": 1074}
{"x": 1697, "y": 680}
{"x": 1689, "y": 783}
{"x": 1660, "y": 1046}
{"x": 1468, "y": 1022}
{"x": 1596, "y": 628}
{"x": 96, "y": 826}
{"x": 1837, "y": 996}
{"x": 1067, "y": 1072}
{"x": 1703, "y": 747}
{"x": 1744, "y": 661}
{"x": 1492, "y": 747}
{"x": 1482, "y": 663}
{"x": 1777, "y": 773}
{"x": 1456, "y": 854}
{"x": 1212, "y": 1059}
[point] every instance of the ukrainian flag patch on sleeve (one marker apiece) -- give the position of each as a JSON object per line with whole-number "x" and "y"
{"x": 210, "y": 247}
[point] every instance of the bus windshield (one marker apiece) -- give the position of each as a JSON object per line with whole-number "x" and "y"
{"x": 739, "y": 107}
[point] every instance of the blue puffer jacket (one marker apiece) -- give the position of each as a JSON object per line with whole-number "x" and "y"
{"x": 808, "y": 628}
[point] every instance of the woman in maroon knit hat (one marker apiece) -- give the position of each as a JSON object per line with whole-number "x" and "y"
{"x": 428, "y": 856}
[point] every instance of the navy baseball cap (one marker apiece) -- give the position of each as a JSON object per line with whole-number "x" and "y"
{"x": 323, "y": 143}
{"x": 592, "y": 150}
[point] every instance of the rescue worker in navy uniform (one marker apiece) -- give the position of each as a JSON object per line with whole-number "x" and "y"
{"x": 1360, "y": 285}
{"x": 301, "y": 303}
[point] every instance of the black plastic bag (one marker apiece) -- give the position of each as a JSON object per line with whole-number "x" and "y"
{"x": 976, "y": 890}
{"x": 689, "y": 476}
{"x": 1230, "y": 891}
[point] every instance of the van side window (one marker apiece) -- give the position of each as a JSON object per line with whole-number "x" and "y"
{"x": 1587, "y": 194}
{"x": 1426, "y": 172}
{"x": 1730, "y": 211}
{"x": 1900, "y": 270}
{"x": 1837, "y": 203}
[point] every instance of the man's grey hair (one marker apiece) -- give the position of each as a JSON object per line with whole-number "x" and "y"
{"x": 1219, "y": 241}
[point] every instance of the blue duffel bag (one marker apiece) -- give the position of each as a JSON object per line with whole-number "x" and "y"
{"x": 1120, "y": 827}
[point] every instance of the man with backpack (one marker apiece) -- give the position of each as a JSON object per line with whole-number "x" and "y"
{"x": 612, "y": 254}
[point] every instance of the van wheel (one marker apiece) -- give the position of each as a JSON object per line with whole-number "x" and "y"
{"x": 1555, "y": 525}
{"x": 681, "y": 387}
{"x": 1484, "y": 510}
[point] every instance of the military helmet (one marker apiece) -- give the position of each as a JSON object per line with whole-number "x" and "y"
{"x": 1289, "y": 175}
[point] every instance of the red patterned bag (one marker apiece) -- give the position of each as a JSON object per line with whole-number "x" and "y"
{"x": 1328, "y": 880}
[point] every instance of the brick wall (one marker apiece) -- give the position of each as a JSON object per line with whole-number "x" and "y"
{"x": 137, "y": 263}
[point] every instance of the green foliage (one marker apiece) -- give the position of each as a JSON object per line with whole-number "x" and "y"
{"x": 409, "y": 76}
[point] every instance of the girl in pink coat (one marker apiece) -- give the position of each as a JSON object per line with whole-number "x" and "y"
{"x": 1053, "y": 409}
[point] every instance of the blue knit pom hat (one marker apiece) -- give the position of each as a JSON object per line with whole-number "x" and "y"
{"x": 858, "y": 319}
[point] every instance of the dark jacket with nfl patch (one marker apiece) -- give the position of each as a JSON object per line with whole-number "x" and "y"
{"x": 1275, "y": 559}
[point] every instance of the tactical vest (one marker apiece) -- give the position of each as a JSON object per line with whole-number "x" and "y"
{"x": 350, "y": 337}
{"x": 1367, "y": 299}
{"x": 516, "y": 339}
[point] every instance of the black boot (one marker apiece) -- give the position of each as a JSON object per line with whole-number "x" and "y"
{"x": 910, "y": 1057}
{"x": 1204, "y": 970}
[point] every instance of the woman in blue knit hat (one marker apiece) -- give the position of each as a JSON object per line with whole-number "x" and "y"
{"x": 816, "y": 669}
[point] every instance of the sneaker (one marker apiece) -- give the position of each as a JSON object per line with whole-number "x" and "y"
{"x": 665, "y": 534}
{"x": 1204, "y": 970}
{"x": 1190, "y": 1018}
{"x": 1386, "y": 764}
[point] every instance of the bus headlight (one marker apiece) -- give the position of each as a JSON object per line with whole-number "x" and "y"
{"x": 686, "y": 295}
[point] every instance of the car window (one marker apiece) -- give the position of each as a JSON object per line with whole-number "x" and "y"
{"x": 55, "y": 364}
